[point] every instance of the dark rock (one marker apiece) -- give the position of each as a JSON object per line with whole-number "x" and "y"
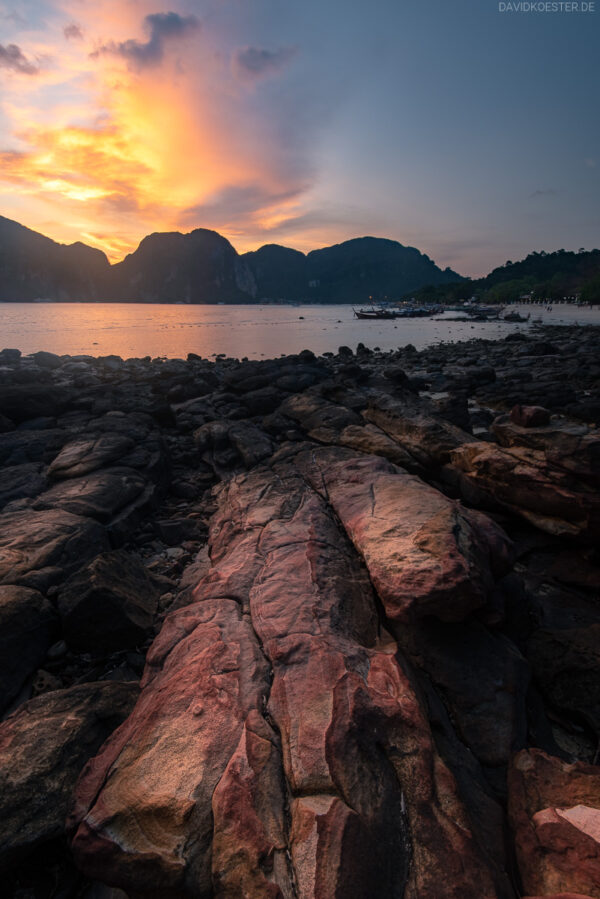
{"x": 566, "y": 666}
{"x": 19, "y": 481}
{"x": 43, "y": 747}
{"x": 108, "y": 604}
{"x": 99, "y": 495}
{"x": 38, "y": 549}
{"x": 47, "y": 360}
{"x": 21, "y": 402}
{"x": 263, "y": 401}
{"x": 84, "y": 455}
{"x": 529, "y": 416}
{"x": 9, "y": 356}
{"x": 19, "y": 446}
{"x": 28, "y": 626}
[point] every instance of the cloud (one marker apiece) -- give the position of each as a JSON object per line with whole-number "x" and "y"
{"x": 13, "y": 59}
{"x": 548, "y": 192}
{"x": 590, "y": 163}
{"x": 73, "y": 32}
{"x": 253, "y": 63}
{"x": 160, "y": 28}
{"x": 79, "y": 164}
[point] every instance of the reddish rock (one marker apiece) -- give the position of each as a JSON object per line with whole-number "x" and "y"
{"x": 529, "y": 416}
{"x": 335, "y": 425}
{"x": 560, "y": 896}
{"x": 570, "y": 447}
{"x": 306, "y": 769}
{"x": 554, "y": 809}
{"x": 249, "y": 849}
{"x": 143, "y": 814}
{"x": 522, "y": 480}
{"x": 414, "y": 425}
{"x": 426, "y": 554}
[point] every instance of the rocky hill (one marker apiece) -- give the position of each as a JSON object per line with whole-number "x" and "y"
{"x": 34, "y": 267}
{"x": 203, "y": 267}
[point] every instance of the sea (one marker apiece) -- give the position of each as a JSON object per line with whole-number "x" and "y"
{"x": 256, "y": 332}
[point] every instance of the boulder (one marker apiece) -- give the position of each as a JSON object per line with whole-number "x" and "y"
{"x": 109, "y": 604}
{"x": 99, "y": 495}
{"x": 522, "y": 480}
{"x": 529, "y": 416}
{"x": 571, "y": 447}
{"x": 28, "y": 627}
{"x": 84, "y": 455}
{"x": 334, "y": 424}
{"x": 38, "y": 549}
{"x": 554, "y": 810}
{"x": 43, "y": 747}
{"x": 413, "y": 424}
{"x": 426, "y": 554}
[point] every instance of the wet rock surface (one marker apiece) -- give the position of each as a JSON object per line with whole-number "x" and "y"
{"x": 359, "y": 594}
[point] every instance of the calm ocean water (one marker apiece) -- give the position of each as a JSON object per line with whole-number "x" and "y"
{"x": 129, "y": 329}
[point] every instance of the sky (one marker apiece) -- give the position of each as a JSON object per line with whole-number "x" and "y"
{"x": 468, "y": 129}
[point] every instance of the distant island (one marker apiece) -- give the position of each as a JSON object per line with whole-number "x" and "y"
{"x": 203, "y": 267}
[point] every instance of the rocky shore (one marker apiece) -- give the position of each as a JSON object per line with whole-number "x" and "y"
{"x": 308, "y": 627}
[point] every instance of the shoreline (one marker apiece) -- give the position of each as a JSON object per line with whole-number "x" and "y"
{"x": 131, "y": 492}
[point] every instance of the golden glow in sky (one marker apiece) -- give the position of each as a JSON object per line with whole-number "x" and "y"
{"x": 120, "y": 120}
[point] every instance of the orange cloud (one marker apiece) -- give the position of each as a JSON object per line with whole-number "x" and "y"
{"x": 146, "y": 125}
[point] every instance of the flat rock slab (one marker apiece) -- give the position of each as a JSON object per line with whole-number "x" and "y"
{"x": 28, "y": 627}
{"x": 38, "y": 549}
{"x": 43, "y": 747}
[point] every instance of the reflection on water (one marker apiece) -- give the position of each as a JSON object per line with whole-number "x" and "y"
{"x": 129, "y": 329}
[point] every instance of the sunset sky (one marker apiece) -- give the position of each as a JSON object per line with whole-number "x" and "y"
{"x": 470, "y": 133}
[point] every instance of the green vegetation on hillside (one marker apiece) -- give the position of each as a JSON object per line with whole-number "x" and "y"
{"x": 543, "y": 276}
